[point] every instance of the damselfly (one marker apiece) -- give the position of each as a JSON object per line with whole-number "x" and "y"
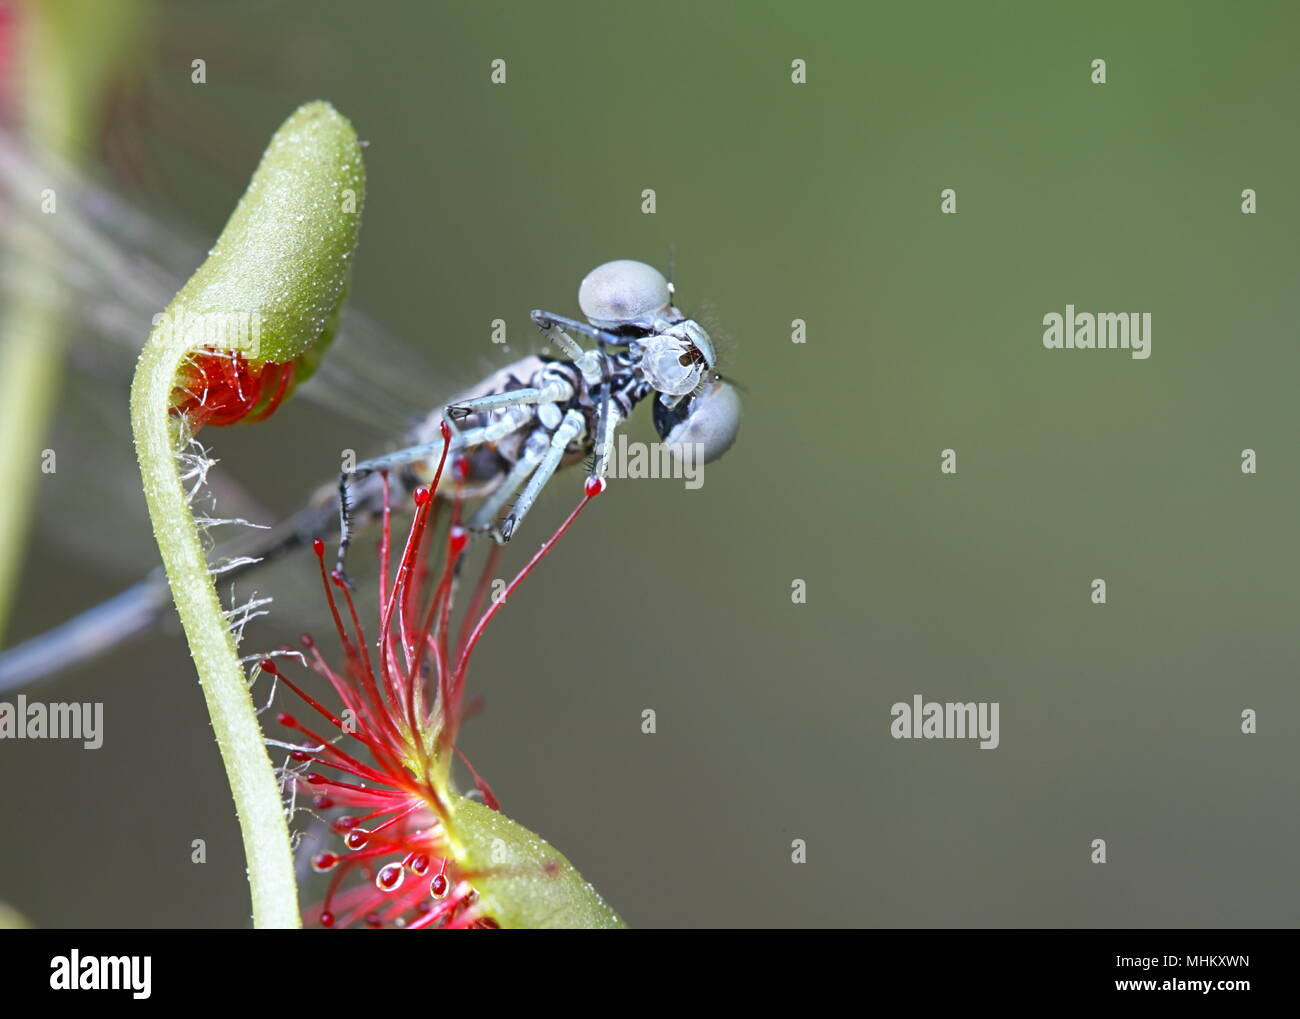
{"x": 523, "y": 423}
{"x": 511, "y": 432}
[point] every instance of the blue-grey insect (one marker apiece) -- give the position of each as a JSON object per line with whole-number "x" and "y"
{"x": 518, "y": 427}
{"x": 512, "y": 431}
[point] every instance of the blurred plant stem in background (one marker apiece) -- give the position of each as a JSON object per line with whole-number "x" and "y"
{"x": 66, "y": 52}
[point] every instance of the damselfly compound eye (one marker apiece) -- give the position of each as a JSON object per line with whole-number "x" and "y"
{"x": 624, "y": 292}
{"x": 711, "y": 419}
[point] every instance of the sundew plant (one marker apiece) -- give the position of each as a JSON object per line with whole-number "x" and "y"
{"x": 252, "y": 323}
{"x": 413, "y": 852}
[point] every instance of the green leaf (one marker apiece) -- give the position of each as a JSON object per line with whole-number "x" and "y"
{"x": 523, "y": 880}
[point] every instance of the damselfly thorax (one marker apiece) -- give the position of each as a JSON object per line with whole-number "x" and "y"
{"x": 482, "y": 471}
{"x": 485, "y": 467}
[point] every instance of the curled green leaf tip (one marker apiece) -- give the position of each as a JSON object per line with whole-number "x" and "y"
{"x": 275, "y": 282}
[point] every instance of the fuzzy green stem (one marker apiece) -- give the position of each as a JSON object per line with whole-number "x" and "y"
{"x": 158, "y": 436}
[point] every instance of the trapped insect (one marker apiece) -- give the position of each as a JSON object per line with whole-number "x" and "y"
{"x": 513, "y": 430}
{"x": 522, "y": 424}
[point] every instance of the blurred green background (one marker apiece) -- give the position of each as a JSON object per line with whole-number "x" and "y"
{"x": 819, "y": 202}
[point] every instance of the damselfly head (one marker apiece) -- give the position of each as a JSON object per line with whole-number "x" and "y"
{"x": 677, "y": 360}
{"x": 710, "y": 418}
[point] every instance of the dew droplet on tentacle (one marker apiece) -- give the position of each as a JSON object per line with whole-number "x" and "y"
{"x": 356, "y": 839}
{"x": 390, "y": 877}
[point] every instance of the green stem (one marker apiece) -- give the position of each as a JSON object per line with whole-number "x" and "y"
{"x": 158, "y": 436}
